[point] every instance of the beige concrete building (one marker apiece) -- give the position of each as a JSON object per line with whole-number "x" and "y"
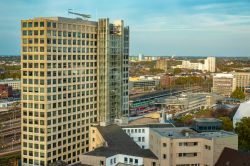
{"x": 184, "y": 146}
{"x": 74, "y": 73}
{"x": 157, "y": 145}
{"x": 111, "y": 146}
{"x": 242, "y": 79}
{"x": 162, "y": 64}
{"x": 224, "y": 84}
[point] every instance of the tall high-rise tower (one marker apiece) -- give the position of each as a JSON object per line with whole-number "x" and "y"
{"x": 74, "y": 74}
{"x": 210, "y": 64}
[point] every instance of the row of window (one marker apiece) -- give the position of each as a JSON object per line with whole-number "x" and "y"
{"x": 134, "y": 130}
{"x": 188, "y": 143}
{"x": 56, "y": 33}
{"x": 130, "y": 161}
{"x": 62, "y": 81}
{"x": 187, "y": 154}
{"x": 31, "y": 24}
{"x": 59, "y": 49}
{"x": 60, "y": 41}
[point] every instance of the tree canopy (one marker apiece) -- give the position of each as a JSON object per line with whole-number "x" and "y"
{"x": 243, "y": 130}
{"x": 238, "y": 94}
{"x": 227, "y": 124}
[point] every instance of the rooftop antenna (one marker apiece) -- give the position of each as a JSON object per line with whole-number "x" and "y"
{"x": 84, "y": 16}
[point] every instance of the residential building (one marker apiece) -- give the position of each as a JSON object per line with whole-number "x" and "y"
{"x": 140, "y": 57}
{"x": 111, "y": 146}
{"x": 162, "y": 64}
{"x": 74, "y": 74}
{"x": 5, "y": 91}
{"x": 209, "y": 65}
{"x": 242, "y": 111}
{"x": 242, "y": 80}
{"x": 15, "y": 84}
{"x": 224, "y": 84}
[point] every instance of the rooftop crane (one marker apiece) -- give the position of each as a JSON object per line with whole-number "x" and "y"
{"x": 85, "y": 16}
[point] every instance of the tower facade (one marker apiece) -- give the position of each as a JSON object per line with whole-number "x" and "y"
{"x": 74, "y": 74}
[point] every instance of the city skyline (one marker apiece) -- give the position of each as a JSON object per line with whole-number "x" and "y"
{"x": 182, "y": 28}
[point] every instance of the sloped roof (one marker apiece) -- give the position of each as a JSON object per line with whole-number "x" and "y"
{"x": 231, "y": 157}
{"x": 119, "y": 143}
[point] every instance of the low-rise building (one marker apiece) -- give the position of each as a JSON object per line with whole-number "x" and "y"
{"x": 224, "y": 84}
{"x": 187, "y": 102}
{"x": 143, "y": 82}
{"x": 5, "y": 91}
{"x": 156, "y": 145}
{"x": 15, "y": 84}
{"x": 110, "y": 146}
{"x": 184, "y": 146}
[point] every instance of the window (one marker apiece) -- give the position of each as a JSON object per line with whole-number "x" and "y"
{"x": 30, "y": 24}
{"x": 41, "y": 24}
{"x": 35, "y": 24}
{"x": 24, "y": 24}
{"x": 164, "y": 156}
{"x": 125, "y": 160}
{"x": 164, "y": 145}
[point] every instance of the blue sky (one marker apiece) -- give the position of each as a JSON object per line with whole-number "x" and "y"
{"x": 158, "y": 27}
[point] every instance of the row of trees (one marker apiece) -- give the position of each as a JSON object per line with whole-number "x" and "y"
{"x": 238, "y": 94}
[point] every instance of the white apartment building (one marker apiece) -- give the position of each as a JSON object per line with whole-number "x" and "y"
{"x": 208, "y": 65}
{"x": 74, "y": 74}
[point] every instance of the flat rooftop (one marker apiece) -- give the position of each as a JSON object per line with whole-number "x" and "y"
{"x": 206, "y": 120}
{"x": 186, "y": 132}
{"x": 65, "y": 19}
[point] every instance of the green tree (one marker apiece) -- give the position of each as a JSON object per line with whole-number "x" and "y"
{"x": 243, "y": 130}
{"x": 227, "y": 124}
{"x": 177, "y": 71}
{"x": 238, "y": 94}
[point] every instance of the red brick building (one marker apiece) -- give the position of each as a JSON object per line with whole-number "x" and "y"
{"x": 166, "y": 81}
{"x": 5, "y": 91}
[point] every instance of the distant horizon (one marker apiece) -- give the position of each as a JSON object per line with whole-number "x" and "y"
{"x": 163, "y": 27}
{"x": 166, "y": 56}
